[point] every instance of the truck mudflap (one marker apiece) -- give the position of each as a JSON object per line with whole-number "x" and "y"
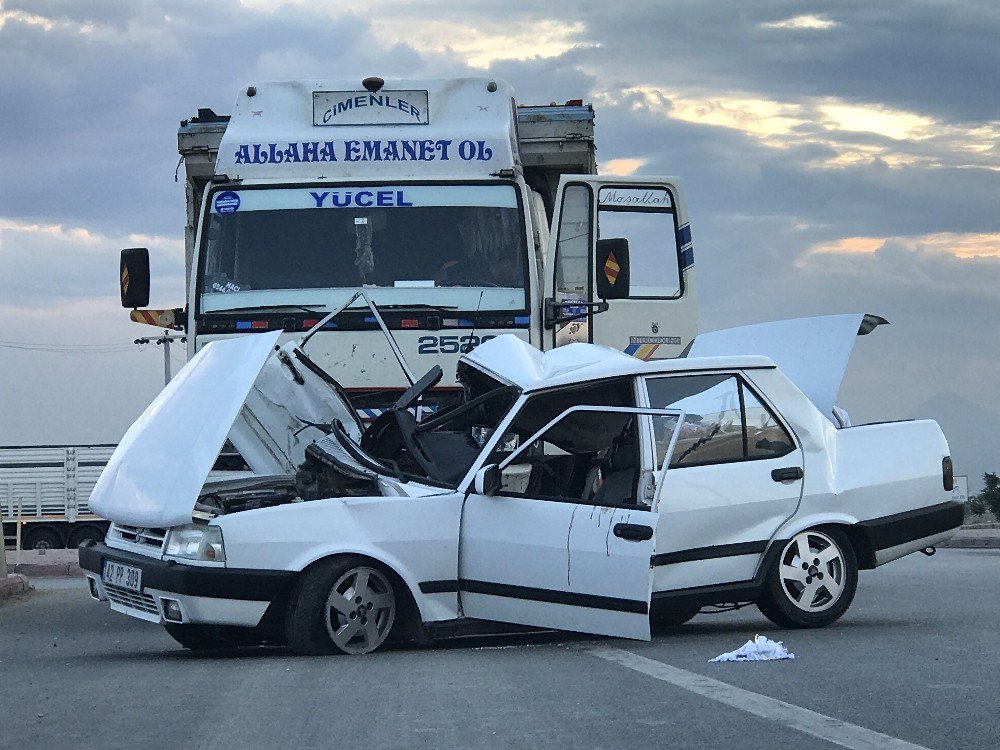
{"x": 892, "y": 537}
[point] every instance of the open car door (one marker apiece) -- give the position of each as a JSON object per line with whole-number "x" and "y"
{"x": 620, "y": 267}
{"x": 565, "y": 540}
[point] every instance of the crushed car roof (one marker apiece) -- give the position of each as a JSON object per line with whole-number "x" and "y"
{"x": 515, "y": 361}
{"x": 812, "y": 352}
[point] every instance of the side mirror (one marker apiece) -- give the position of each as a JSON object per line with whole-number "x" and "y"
{"x": 611, "y": 268}
{"x": 488, "y": 480}
{"x": 134, "y": 277}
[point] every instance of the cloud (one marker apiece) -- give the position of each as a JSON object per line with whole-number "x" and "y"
{"x": 90, "y": 395}
{"x": 47, "y": 262}
{"x": 800, "y": 137}
{"x": 810, "y": 22}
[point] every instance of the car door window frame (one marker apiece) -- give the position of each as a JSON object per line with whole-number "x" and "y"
{"x": 643, "y": 427}
{"x": 742, "y": 383}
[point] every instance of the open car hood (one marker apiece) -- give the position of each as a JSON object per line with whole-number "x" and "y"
{"x": 263, "y": 398}
{"x": 812, "y": 352}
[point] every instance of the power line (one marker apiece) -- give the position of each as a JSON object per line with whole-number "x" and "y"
{"x": 66, "y": 348}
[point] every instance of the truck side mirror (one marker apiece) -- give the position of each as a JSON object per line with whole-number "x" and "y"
{"x": 488, "y": 480}
{"x": 134, "y": 277}
{"x": 611, "y": 268}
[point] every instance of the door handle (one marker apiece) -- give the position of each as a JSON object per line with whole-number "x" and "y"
{"x": 633, "y": 532}
{"x": 784, "y": 475}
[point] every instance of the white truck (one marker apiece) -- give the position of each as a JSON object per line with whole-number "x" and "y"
{"x": 422, "y": 208}
{"x": 44, "y": 490}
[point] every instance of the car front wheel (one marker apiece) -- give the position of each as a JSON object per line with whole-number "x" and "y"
{"x": 812, "y": 582}
{"x": 342, "y": 605}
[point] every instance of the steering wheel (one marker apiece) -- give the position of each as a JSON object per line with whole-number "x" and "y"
{"x": 410, "y": 396}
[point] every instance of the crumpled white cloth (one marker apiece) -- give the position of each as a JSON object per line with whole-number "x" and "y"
{"x": 761, "y": 648}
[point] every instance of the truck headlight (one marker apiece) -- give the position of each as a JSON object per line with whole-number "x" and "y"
{"x": 196, "y": 543}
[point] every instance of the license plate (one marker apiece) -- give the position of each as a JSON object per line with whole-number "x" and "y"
{"x": 124, "y": 576}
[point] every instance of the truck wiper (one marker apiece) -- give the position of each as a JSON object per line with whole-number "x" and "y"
{"x": 266, "y": 308}
{"x": 419, "y": 306}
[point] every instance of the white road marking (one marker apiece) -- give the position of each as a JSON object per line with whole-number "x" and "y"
{"x": 795, "y": 717}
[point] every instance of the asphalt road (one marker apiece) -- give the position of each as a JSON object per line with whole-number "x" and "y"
{"x": 916, "y": 660}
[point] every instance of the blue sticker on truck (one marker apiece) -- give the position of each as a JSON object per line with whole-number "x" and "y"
{"x": 227, "y": 202}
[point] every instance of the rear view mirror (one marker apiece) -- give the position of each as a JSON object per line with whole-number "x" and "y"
{"x": 612, "y": 268}
{"x": 488, "y": 480}
{"x": 134, "y": 277}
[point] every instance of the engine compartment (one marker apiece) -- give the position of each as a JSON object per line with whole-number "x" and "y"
{"x": 437, "y": 451}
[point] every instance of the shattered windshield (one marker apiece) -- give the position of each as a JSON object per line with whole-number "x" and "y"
{"x": 457, "y": 246}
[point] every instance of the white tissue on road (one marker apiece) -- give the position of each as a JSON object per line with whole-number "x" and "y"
{"x": 761, "y": 648}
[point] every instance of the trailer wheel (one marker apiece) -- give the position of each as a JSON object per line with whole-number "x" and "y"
{"x": 81, "y": 534}
{"x": 42, "y": 537}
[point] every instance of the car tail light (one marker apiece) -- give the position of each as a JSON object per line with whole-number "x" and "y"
{"x": 948, "y": 472}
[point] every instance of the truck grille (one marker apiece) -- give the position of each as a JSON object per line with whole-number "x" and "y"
{"x": 131, "y": 599}
{"x": 147, "y": 538}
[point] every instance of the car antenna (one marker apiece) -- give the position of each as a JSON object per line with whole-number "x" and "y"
{"x": 472, "y": 333}
{"x": 479, "y": 306}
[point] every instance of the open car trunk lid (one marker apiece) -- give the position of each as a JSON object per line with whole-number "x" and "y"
{"x": 264, "y": 400}
{"x": 812, "y": 352}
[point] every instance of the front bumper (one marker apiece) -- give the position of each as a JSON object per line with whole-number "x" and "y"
{"x": 217, "y": 596}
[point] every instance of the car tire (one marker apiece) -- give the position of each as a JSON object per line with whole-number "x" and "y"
{"x": 812, "y": 581}
{"x": 672, "y": 617}
{"x": 344, "y": 605}
{"x": 42, "y": 537}
{"x": 197, "y": 637}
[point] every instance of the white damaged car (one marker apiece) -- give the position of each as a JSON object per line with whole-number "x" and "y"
{"x": 579, "y": 489}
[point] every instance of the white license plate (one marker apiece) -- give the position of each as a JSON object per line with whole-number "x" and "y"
{"x": 123, "y": 576}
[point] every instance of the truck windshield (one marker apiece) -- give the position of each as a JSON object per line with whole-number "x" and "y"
{"x": 456, "y": 246}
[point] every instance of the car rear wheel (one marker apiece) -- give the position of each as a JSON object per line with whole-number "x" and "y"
{"x": 812, "y": 582}
{"x": 671, "y": 617}
{"x": 343, "y": 605}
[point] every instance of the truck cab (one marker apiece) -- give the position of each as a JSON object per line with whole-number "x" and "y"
{"x": 459, "y": 215}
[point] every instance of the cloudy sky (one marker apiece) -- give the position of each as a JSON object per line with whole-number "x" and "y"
{"x": 837, "y": 156}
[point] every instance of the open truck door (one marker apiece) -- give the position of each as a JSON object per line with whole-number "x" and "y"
{"x": 620, "y": 266}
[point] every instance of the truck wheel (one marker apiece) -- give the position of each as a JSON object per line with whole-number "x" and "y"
{"x": 812, "y": 582}
{"x": 342, "y": 605}
{"x": 82, "y": 534}
{"x": 42, "y": 537}
{"x": 211, "y": 637}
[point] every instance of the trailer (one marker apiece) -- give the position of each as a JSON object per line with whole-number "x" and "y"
{"x": 44, "y": 490}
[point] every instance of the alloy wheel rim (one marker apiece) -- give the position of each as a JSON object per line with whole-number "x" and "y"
{"x": 812, "y": 571}
{"x": 360, "y": 610}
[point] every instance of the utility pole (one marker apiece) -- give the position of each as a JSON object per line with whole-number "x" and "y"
{"x": 3, "y": 549}
{"x": 164, "y": 341}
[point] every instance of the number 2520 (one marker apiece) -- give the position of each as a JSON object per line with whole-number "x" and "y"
{"x": 449, "y": 344}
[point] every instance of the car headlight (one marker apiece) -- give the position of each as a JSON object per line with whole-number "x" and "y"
{"x": 196, "y": 543}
